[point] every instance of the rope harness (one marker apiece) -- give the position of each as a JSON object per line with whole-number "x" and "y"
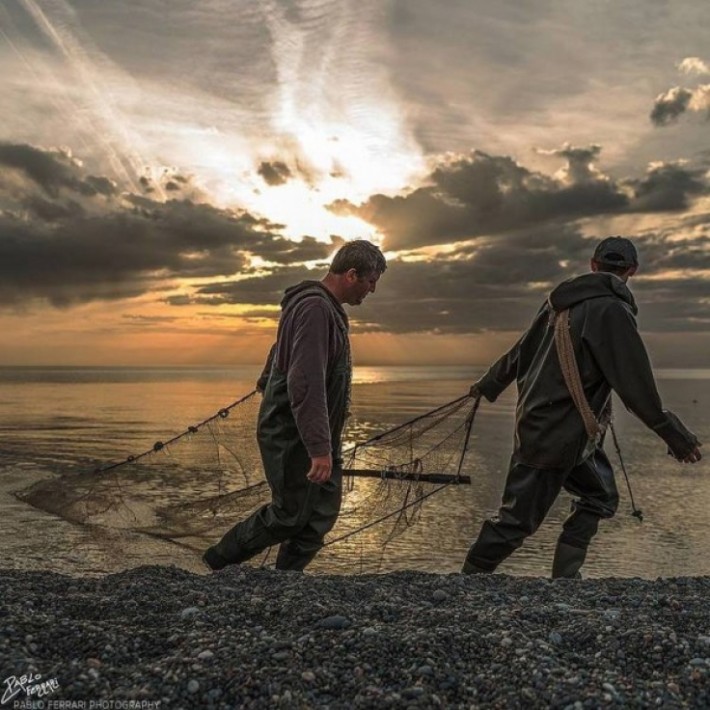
{"x": 570, "y": 371}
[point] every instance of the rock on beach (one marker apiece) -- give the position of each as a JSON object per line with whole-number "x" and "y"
{"x": 161, "y": 637}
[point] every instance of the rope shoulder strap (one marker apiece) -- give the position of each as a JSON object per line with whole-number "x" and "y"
{"x": 570, "y": 372}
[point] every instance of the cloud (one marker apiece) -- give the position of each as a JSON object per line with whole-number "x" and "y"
{"x": 497, "y": 284}
{"x": 694, "y": 65}
{"x": 263, "y": 289}
{"x": 580, "y": 168}
{"x": 67, "y": 246}
{"x": 53, "y": 170}
{"x": 68, "y": 238}
{"x": 498, "y": 287}
{"x": 667, "y": 187}
{"x": 674, "y": 304}
{"x": 669, "y": 106}
{"x": 662, "y": 253}
{"x": 672, "y": 104}
{"x": 284, "y": 251}
{"x": 274, "y": 173}
{"x": 494, "y": 285}
{"x": 480, "y": 194}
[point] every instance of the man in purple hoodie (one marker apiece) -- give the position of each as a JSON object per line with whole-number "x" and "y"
{"x": 553, "y": 445}
{"x": 306, "y": 392}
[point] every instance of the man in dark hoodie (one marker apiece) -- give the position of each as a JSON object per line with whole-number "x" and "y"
{"x": 306, "y": 391}
{"x": 553, "y": 446}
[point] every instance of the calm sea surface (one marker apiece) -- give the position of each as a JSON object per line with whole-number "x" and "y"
{"x": 59, "y": 420}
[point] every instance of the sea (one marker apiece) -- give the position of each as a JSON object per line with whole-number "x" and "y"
{"x": 59, "y": 420}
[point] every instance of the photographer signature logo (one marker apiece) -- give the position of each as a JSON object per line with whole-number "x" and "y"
{"x": 30, "y": 684}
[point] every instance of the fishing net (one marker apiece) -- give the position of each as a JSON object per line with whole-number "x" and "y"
{"x": 192, "y": 488}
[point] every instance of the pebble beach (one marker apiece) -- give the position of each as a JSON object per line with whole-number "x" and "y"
{"x": 161, "y": 637}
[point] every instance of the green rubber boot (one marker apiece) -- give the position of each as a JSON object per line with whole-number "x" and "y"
{"x": 568, "y": 561}
{"x": 470, "y": 568}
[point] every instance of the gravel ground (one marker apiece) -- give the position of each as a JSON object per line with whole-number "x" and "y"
{"x": 161, "y": 637}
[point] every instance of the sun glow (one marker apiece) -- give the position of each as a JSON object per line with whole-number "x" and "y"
{"x": 325, "y": 163}
{"x": 301, "y": 209}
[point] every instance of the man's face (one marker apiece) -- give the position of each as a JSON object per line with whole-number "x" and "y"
{"x": 360, "y": 287}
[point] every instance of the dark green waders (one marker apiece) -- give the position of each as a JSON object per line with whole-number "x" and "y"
{"x": 528, "y": 496}
{"x": 301, "y": 513}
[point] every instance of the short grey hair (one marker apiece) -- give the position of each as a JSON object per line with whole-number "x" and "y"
{"x": 361, "y": 255}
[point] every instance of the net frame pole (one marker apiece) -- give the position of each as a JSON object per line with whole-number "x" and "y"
{"x": 455, "y": 478}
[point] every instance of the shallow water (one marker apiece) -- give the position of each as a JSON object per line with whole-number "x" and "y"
{"x": 59, "y": 420}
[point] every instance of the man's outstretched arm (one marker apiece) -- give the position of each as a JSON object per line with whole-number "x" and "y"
{"x": 623, "y": 359}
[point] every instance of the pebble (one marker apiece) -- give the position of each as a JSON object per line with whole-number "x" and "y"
{"x": 334, "y": 622}
{"x": 189, "y": 612}
{"x": 412, "y": 693}
{"x": 370, "y": 641}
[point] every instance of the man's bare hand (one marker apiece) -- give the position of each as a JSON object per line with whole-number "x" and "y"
{"x": 321, "y": 468}
{"x": 694, "y": 456}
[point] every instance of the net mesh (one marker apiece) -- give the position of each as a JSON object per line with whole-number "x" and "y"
{"x": 193, "y": 488}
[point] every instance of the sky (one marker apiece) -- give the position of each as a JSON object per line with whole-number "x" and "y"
{"x": 168, "y": 168}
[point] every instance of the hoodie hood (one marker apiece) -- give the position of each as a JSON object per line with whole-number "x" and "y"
{"x": 294, "y": 294}
{"x": 597, "y": 284}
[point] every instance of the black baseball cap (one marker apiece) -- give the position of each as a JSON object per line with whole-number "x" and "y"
{"x": 616, "y": 251}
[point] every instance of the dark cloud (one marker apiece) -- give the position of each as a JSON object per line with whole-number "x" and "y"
{"x": 52, "y": 211}
{"x": 475, "y": 288}
{"x": 463, "y": 296}
{"x": 256, "y": 290}
{"x": 52, "y": 170}
{"x": 274, "y": 173}
{"x": 482, "y": 194}
{"x": 660, "y": 254}
{"x": 673, "y": 305}
{"x": 141, "y": 320}
{"x": 580, "y": 163}
{"x": 669, "y": 106}
{"x": 63, "y": 240}
{"x": 67, "y": 245}
{"x": 101, "y": 186}
{"x": 283, "y": 251}
{"x": 169, "y": 181}
{"x": 493, "y": 285}
{"x": 667, "y": 187}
